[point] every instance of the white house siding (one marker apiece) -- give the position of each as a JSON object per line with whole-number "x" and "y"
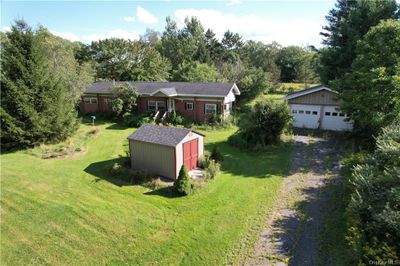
{"x": 179, "y": 149}
{"x": 230, "y": 97}
{"x": 154, "y": 158}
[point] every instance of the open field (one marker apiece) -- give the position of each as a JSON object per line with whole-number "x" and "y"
{"x": 70, "y": 211}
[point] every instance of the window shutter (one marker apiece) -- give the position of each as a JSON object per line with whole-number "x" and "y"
{"x": 204, "y": 108}
{"x": 185, "y": 106}
{"x": 218, "y": 108}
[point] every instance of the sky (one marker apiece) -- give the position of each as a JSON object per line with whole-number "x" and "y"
{"x": 288, "y": 22}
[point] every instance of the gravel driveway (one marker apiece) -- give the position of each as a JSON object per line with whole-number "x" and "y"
{"x": 291, "y": 233}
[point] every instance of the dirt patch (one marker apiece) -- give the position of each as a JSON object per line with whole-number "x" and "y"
{"x": 291, "y": 233}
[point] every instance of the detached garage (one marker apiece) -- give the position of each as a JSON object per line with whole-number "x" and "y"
{"x": 318, "y": 108}
{"x": 162, "y": 150}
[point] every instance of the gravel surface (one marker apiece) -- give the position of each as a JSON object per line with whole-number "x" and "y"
{"x": 291, "y": 233}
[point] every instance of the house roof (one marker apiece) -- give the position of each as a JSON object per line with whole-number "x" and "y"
{"x": 210, "y": 89}
{"x": 308, "y": 91}
{"x": 163, "y": 135}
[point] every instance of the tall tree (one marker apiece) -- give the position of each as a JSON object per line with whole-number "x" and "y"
{"x": 370, "y": 93}
{"x": 232, "y": 43}
{"x": 195, "y": 71}
{"x": 348, "y": 22}
{"x": 38, "y": 99}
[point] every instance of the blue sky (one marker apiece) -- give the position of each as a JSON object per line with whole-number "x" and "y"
{"x": 292, "y": 22}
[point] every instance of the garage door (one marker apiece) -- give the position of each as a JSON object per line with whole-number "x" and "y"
{"x": 305, "y": 116}
{"x": 334, "y": 119}
{"x": 190, "y": 154}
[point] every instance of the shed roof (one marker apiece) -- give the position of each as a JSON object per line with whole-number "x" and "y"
{"x": 217, "y": 89}
{"x": 163, "y": 135}
{"x": 308, "y": 91}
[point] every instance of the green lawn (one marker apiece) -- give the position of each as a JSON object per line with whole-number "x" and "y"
{"x": 69, "y": 211}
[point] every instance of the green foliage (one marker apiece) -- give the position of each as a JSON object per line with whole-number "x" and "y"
{"x": 373, "y": 216}
{"x": 263, "y": 125}
{"x": 121, "y": 59}
{"x": 348, "y": 22}
{"x": 212, "y": 170}
{"x": 125, "y": 99}
{"x": 195, "y": 71}
{"x": 254, "y": 82}
{"x": 137, "y": 120}
{"x": 216, "y": 154}
{"x": 204, "y": 161}
{"x": 40, "y": 86}
{"x": 371, "y": 91}
{"x": 183, "y": 184}
{"x": 176, "y": 119}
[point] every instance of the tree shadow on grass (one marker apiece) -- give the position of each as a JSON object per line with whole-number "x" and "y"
{"x": 117, "y": 126}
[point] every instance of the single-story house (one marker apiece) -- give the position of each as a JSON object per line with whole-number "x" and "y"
{"x": 194, "y": 100}
{"x": 318, "y": 108}
{"x": 162, "y": 150}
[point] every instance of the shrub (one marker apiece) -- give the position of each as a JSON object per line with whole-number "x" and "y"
{"x": 204, "y": 161}
{"x": 135, "y": 120}
{"x": 263, "y": 125}
{"x": 373, "y": 216}
{"x": 212, "y": 170}
{"x": 183, "y": 184}
{"x": 216, "y": 155}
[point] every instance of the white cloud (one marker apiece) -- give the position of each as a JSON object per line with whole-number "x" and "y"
{"x": 117, "y": 33}
{"x": 145, "y": 16}
{"x": 129, "y": 19}
{"x": 5, "y": 29}
{"x": 66, "y": 35}
{"x": 285, "y": 31}
{"x": 233, "y": 2}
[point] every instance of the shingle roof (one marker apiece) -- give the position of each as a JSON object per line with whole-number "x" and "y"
{"x": 308, "y": 91}
{"x": 181, "y": 88}
{"x": 163, "y": 135}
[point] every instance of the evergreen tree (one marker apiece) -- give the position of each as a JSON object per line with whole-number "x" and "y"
{"x": 36, "y": 105}
{"x": 183, "y": 184}
{"x": 348, "y": 22}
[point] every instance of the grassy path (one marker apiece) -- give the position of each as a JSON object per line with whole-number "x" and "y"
{"x": 68, "y": 211}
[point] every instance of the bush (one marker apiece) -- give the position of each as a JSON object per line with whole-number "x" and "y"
{"x": 204, "y": 161}
{"x": 183, "y": 184}
{"x": 135, "y": 120}
{"x": 372, "y": 214}
{"x": 216, "y": 155}
{"x": 176, "y": 119}
{"x": 212, "y": 170}
{"x": 263, "y": 125}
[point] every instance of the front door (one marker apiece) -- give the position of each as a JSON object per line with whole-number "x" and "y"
{"x": 190, "y": 154}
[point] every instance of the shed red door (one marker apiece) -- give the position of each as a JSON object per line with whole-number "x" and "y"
{"x": 190, "y": 154}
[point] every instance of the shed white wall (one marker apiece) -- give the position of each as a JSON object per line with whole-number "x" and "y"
{"x": 156, "y": 159}
{"x": 179, "y": 149}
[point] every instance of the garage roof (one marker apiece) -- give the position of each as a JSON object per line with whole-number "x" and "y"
{"x": 163, "y": 135}
{"x": 308, "y": 91}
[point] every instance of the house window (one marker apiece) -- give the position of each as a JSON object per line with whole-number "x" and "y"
{"x": 301, "y": 112}
{"x": 294, "y": 111}
{"x": 151, "y": 105}
{"x": 188, "y": 106}
{"x": 90, "y": 100}
{"x": 210, "y": 108}
{"x": 314, "y": 112}
{"x": 334, "y": 114}
{"x": 308, "y": 112}
{"x": 160, "y": 105}
{"x": 327, "y": 113}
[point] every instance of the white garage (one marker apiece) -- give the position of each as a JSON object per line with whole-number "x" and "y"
{"x": 317, "y": 108}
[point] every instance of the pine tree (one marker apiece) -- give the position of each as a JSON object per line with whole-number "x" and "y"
{"x": 36, "y": 105}
{"x": 183, "y": 184}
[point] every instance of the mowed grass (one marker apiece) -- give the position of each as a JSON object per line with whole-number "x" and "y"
{"x": 69, "y": 211}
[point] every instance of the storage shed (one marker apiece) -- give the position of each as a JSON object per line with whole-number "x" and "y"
{"x": 318, "y": 107}
{"x": 162, "y": 150}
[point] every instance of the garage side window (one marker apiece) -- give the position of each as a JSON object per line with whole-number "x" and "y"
{"x": 294, "y": 111}
{"x": 210, "y": 108}
{"x": 327, "y": 113}
{"x": 314, "y": 112}
{"x": 308, "y": 112}
{"x": 334, "y": 114}
{"x": 301, "y": 112}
